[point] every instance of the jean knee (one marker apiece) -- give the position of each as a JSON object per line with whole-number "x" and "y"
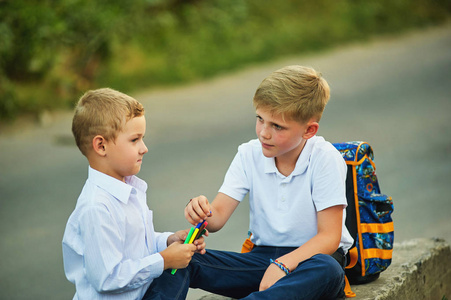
{"x": 329, "y": 266}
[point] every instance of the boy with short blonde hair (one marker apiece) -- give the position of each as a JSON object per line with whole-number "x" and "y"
{"x": 296, "y": 186}
{"x": 110, "y": 248}
{"x": 102, "y": 112}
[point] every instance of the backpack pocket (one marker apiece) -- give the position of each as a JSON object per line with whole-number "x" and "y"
{"x": 377, "y": 231}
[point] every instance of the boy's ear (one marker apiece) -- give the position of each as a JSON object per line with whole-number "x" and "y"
{"x": 98, "y": 144}
{"x": 312, "y": 129}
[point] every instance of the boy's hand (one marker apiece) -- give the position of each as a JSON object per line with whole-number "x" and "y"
{"x": 272, "y": 275}
{"x": 180, "y": 236}
{"x": 197, "y": 210}
{"x": 177, "y": 255}
{"x": 200, "y": 244}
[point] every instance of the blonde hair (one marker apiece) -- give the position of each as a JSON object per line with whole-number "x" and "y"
{"x": 294, "y": 92}
{"x": 102, "y": 112}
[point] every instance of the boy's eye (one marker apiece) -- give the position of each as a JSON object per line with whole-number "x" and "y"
{"x": 137, "y": 139}
{"x": 278, "y": 127}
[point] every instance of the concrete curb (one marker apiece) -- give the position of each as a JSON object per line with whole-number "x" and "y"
{"x": 420, "y": 269}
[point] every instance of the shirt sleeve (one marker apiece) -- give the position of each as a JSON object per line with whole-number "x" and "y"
{"x": 328, "y": 180}
{"x": 235, "y": 183}
{"x": 162, "y": 240}
{"x": 103, "y": 261}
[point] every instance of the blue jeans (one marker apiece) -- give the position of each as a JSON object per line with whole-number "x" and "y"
{"x": 238, "y": 275}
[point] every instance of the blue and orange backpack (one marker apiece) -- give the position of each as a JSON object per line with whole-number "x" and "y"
{"x": 368, "y": 217}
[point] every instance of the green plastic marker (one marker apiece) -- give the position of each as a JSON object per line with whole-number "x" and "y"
{"x": 188, "y": 237}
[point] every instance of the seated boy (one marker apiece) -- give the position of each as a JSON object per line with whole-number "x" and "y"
{"x": 296, "y": 186}
{"x": 110, "y": 248}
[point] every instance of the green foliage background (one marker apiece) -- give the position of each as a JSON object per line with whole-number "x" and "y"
{"x": 51, "y": 51}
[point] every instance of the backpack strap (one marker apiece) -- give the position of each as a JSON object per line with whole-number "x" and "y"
{"x": 247, "y": 245}
{"x": 353, "y": 257}
{"x": 348, "y": 292}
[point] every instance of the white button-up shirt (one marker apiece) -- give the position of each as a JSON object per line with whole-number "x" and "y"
{"x": 283, "y": 209}
{"x": 110, "y": 248}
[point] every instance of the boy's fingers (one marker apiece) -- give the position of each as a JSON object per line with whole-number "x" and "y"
{"x": 204, "y": 206}
{"x": 198, "y": 211}
{"x": 192, "y": 248}
{"x": 191, "y": 214}
{"x": 200, "y": 247}
{"x": 196, "y": 217}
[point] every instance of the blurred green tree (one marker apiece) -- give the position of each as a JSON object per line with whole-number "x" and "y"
{"x": 53, "y": 50}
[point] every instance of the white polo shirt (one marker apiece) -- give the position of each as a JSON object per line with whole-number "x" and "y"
{"x": 283, "y": 209}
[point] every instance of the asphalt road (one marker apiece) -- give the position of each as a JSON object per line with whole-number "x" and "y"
{"x": 394, "y": 93}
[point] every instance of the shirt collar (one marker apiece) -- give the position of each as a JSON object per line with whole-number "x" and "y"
{"x": 270, "y": 165}
{"x": 118, "y": 189}
{"x": 301, "y": 164}
{"x": 304, "y": 158}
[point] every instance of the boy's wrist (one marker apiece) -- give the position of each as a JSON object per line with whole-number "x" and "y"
{"x": 169, "y": 240}
{"x": 281, "y": 266}
{"x": 172, "y": 238}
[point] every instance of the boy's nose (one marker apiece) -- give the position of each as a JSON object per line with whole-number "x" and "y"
{"x": 144, "y": 149}
{"x": 264, "y": 133}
